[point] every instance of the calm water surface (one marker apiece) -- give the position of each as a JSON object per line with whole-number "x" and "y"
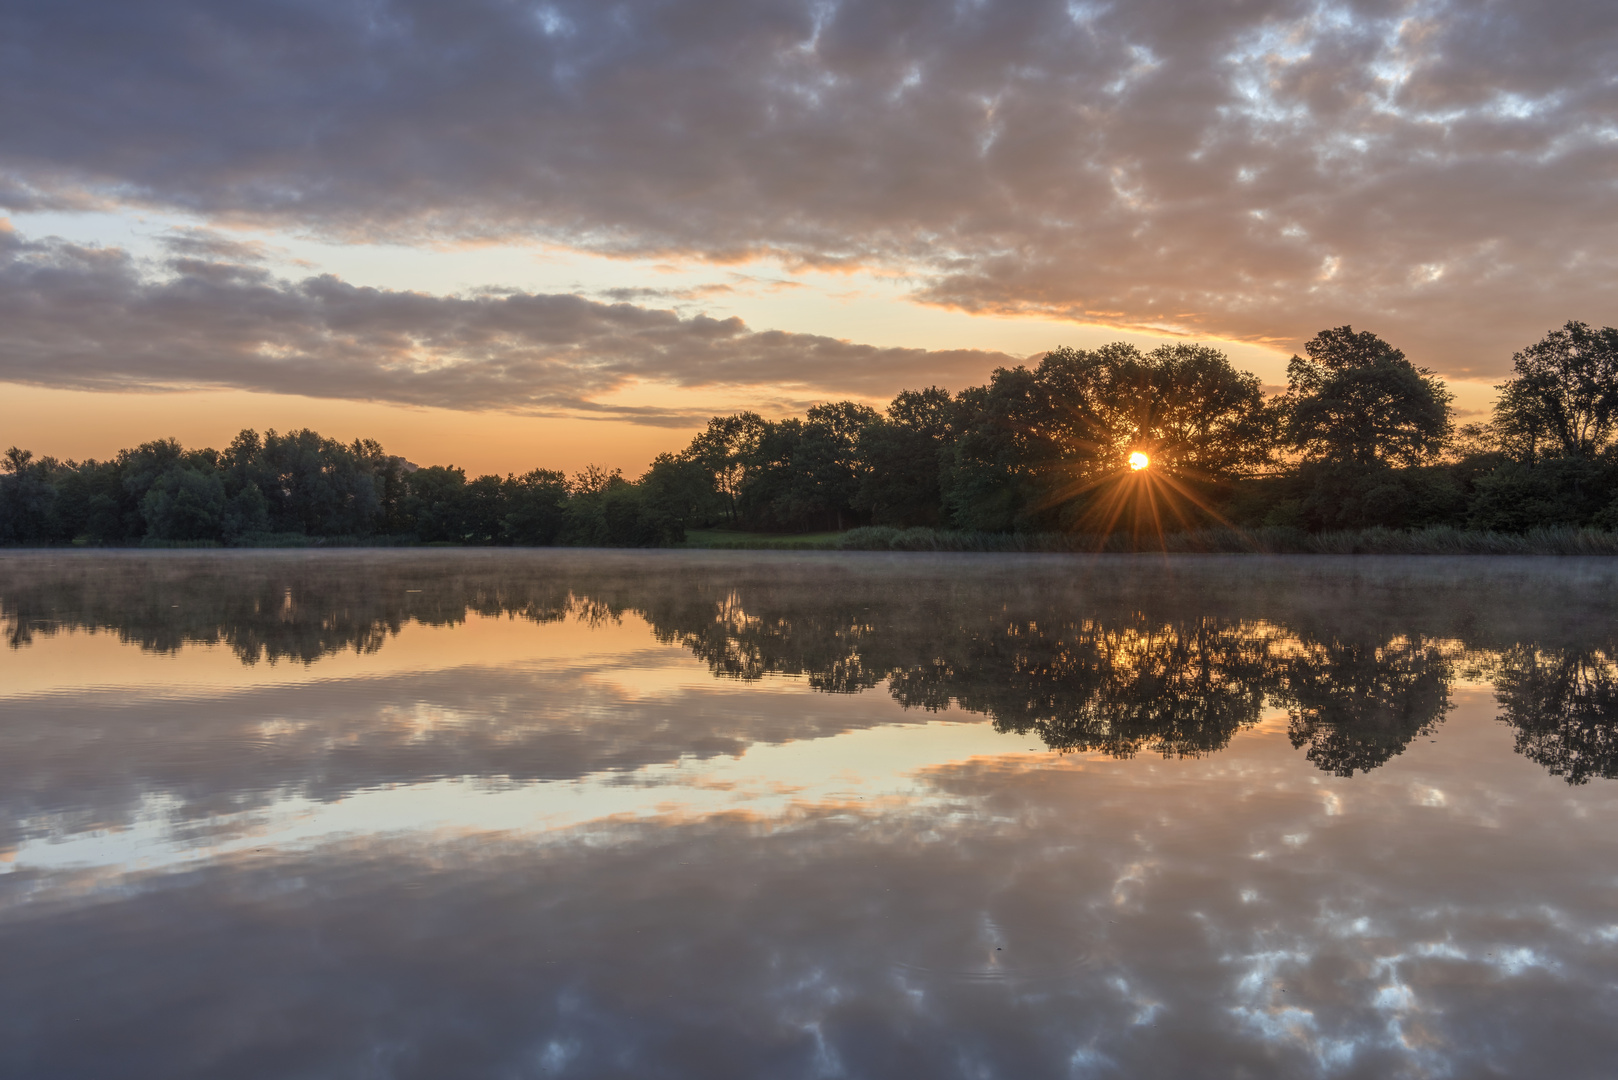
{"x": 712, "y": 814}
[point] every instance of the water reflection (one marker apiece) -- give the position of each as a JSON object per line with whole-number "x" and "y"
{"x": 1166, "y": 658}
{"x": 1563, "y": 705}
{"x": 552, "y": 814}
{"x": 1357, "y": 704}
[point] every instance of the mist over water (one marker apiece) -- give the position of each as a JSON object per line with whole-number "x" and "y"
{"x": 563, "y": 813}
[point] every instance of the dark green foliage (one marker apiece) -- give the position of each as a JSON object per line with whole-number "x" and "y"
{"x": 727, "y": 453}
{"x": 1005, "y": 445}
{"x": 1520, "y": 495}
{"x": 788, "y": 474}
{"x": 1562, "y": 400}
{"x": 678, "y": 489}
{"x": 27, "y": 499}
{"x": 1357, "y": 399}
{"x": 184, "y": 504}
{"x": 435, "y": 504}
{"x": 824, "y": 466}
{"x": 606, "y": 510}
{"x": 901, "y": 455}
{"x": 302, "y": 487}
{"x": 1349, "y": 495}
{"x": 319, "y": 486}
{"x": 536, "y": 507}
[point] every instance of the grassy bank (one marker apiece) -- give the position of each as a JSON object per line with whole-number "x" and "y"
{"x": 1265, "y": 541}
{"x": 1274, "y": 541}
{"x": 755, "y": 541}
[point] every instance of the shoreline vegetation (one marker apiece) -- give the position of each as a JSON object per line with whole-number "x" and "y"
{"x": 1109, "y": 450}
{"x": 1439, "y": 540}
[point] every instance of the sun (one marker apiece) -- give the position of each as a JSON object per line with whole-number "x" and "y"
{"x": 1139, "y": 461}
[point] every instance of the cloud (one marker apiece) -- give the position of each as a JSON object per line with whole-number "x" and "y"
{"x": 630, "y": 293}
{"x": 96, "y": 318}
{"x": 208, "y": 245}
{"x": 1437, "y": 171}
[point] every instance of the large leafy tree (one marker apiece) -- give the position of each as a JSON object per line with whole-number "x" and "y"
{"x": 728, "y": 452}
{"x": 826, "y": 464}
{"x": 1562, "y": 399}
{"x": 1009, "y": 439}
{"x": 901, "y": 456}
{"x": 27, "y": 499}
{"x": 1189, "y": 409}
{"x": 1034, "y": 446}
{"x": 1356, "y": 399}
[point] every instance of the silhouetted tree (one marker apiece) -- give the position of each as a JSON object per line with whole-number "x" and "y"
{"x": 678, "y": 489}
{"x": 825, "y": 465}
{"x": 1186, "y": 407}
{"x": 726, "y": 451}
{"x": 1011, "y": 440}
{"x": 436, "y": 507}
{"x": 184, "y": 504}
{"x": 1357, "y": 399}
{"x": 1050, "y": 447}
{"x": 536, "y": 507}
{"x": 1562, "y": 400}
{"x": 27, "y": 499}
{"x": 901, "y": 455}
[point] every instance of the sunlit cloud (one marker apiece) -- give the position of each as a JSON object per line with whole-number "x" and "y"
{"x": 97, "y": 318}
{"x": 1434, "y": 171}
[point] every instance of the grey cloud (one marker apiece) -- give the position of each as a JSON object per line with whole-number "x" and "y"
{"x": 1435, "y": 170}
{"x": 628, "y": 294}
{"x": 208, "y": 245}
{"x": 95, "y": 318}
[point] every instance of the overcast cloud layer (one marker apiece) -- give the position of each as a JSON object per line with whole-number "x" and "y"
{"x": 1440, "y": 172}
{"x": 95, "y": 318}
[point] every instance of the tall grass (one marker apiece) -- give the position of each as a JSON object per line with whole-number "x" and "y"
{"x": 1441, "y": 540}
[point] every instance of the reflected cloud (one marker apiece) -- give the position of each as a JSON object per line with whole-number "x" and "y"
{"x": 669, "y": 827}
{"x": 1060, "y": 913}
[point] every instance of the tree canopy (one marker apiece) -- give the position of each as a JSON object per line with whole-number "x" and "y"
{"x": 1562, "y": 399}
{"x": 1355, "y": 398}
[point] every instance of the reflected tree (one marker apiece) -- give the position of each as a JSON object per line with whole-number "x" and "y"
{"x": 1356, "y": 706}
{"x": 1176, "y": 664}
{"x": 1176, "y": 690}
{"x": 1563, "y": 706}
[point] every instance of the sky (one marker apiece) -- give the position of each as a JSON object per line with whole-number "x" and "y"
{"x": 511, "y": 235}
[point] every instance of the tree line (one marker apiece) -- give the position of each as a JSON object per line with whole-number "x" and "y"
{"x": 1360, "y": 438}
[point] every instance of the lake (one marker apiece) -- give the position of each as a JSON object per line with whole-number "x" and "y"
{"x": 480, "y": 813}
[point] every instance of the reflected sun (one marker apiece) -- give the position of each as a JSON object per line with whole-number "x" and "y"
{"x": 1139, "y": 461}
